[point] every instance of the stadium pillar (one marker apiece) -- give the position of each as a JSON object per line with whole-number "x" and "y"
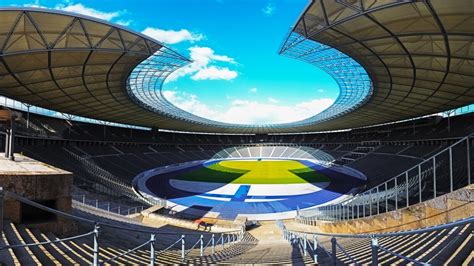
{"x": 12, "y": 140}
{"x": 406, "y": 189}
{"x": 450, "y": 169}
{"x": 315, "y": 249}
{"x": 333, "y": 250}
{"x": 201, "y": 250}
{"x": 9, "y": 118}
{"x": 468, "y": 161}
{"x": 370, "y": 202}
{"x": 375, "y": 252}
{"x": 419, "y": 184}
{"x": 28, "y": 116}
{"x": 7, "y": 143}
{"x": 152, "y": 250}
{"x": 396, "y": 193}
{"x": 182, "y": 247}
{"x": 305, "y": 243}
{"x": 378, "y": 200}
{"x": 2, "y": 197}
{"x": 213, "y": 244}
{"x": 95, "y": 261}
{"x": 434, "y": 177}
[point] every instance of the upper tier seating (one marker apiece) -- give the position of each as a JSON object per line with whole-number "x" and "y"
{"x": 381, "y": 167}
{"x": 425, "y": 128}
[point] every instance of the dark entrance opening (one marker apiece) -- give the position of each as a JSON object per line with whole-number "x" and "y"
{"x": 31, "y": 214}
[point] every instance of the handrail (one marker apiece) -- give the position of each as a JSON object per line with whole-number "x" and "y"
{"x": 341, "y": 210}
{"x": 403, "y": 233}
{"x": 81, "y": 219}
{"x": 47, "y": 242}
{"x": 126, "y": 253}
{"x": 346, "y": 254}
{"x": 208, "y": 242}
{"x": 401, "y": 256}
{"x": 291, "y": 235}
{"x": 95, "y": 234}
{"x": 170, "y": 246}
{"x": 422, "y": 162}
{"x": 191, "y": 248}
{"x": 94, "y": 203}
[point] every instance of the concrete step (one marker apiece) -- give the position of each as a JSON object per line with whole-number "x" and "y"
{"x": 25, "y": 255}
{"x": 53, "y": 248}
{"x": 7, "y": 256}
{"x": 40, "y": 251}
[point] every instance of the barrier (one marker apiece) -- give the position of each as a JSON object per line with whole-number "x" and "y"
{"x": 444, "y": 172}
{"x": 231, "y": 236}
{"x": 301, "y": 240}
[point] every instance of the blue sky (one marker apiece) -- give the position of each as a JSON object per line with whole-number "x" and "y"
{"x": 237, "y": 74}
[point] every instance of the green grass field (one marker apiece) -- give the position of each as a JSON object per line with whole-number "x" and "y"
{"x": 255, "y": 172}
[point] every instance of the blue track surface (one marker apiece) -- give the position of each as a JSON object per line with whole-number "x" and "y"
{"x": 241, "y": 193}
{"x": 340, "y": 184}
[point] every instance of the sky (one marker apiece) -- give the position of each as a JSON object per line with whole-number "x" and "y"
{"x": 237, "y": 75}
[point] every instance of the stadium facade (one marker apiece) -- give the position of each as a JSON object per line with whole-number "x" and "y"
{"x": 411, "y": 63}
{"x": 380, "y": 192}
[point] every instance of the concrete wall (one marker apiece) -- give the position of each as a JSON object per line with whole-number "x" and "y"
{"x": 444, "y": 209}
{"x": 47, "y": 186}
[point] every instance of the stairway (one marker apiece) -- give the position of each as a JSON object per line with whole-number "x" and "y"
{"x": 262, "y": 245}
{"x": 364, "y": 148}
{"x": 80, "y": 251}
{"x": 268, "y": 247}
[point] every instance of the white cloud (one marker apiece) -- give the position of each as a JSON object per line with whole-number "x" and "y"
{"x": 36, "y": 3}
{"x": 272, "y": 100}
{"x": 172, "y": 36}
{"x": 253, "y": 90}
{"x": 249, "y": 112}
{"x": 213, "y": 73}
{"x": 320, "y": 90}
{"x": 203, "y": 55}
{"x": 81, "y": 9}
{"x": 201, "y": 68}
{"x": 269, "y": 9}
{"x": 189, "y": 102}
{"x": 124, "y": 22}
{"x": 254, "y": 112}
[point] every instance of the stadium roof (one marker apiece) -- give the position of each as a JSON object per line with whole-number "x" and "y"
{"x": 392, "y": 60}
{"x": 418, "y": 54}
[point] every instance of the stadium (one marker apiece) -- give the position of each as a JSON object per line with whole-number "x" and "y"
{"x": 100, "y": 167}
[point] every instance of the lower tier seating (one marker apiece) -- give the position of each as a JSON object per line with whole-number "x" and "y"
{"x": 112, "y": 242}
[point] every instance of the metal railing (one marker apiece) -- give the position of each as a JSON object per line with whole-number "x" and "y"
{"x": 446, "y": 171}
{"x": 107, "y": 205}
{"x": 227, "y": 238}
{"x": 313, "y": 248}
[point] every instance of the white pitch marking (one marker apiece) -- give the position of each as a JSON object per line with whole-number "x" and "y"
{"x": 205, "y": 187}
{"x": 214, "y": 198}
{"x": 273, "y": 150}
{"x": 263, "y": 200}
{"x": 285, "y": 189}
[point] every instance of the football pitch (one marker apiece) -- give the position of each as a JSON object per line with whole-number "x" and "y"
{"x": 255, "y": 172}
